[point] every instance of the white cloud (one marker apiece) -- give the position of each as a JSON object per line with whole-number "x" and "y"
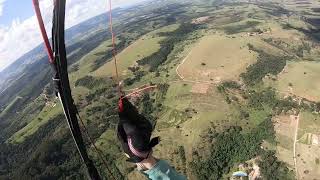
{"x": 22, "y": 36}
{"x": 1, "y": 6}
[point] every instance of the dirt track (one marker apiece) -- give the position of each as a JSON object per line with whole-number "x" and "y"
{"x": 186, "y": 80}
{"x": 295, "y": 144}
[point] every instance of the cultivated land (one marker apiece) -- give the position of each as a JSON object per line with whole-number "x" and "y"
{"x": 204, "y": 112}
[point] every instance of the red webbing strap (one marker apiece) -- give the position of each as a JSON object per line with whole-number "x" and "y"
{"x": 43, "y": 30}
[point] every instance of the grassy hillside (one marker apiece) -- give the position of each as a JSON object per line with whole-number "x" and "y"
{"x": 236, "y": 91}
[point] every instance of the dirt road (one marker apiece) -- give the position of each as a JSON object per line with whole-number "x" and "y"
{"x": 187, "y": 80}
{"x": 295, "y": 144}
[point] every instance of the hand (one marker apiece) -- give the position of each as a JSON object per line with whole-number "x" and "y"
{"x": 147, "y": 164}
{"x": 134, "y": 132}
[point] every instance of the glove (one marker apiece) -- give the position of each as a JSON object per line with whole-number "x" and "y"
{"x": 134, "y": 132}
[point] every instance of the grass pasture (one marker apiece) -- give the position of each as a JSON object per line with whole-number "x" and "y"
{"x": 304, "y": 77}
{"x": 139, "y": 49}
{"x": 10, "y": 106}
{"x": 188, "y": 115}
{"x": 143, "y": 47}
{"x": 284, "y": 126}
{"x": 217, "y": 58}
{"x": 309, "y": 123}
{"x": 47, "y": 114}
{"x": 307, "y": 153}
{"x": 85, "y": 64}
{"x": 307, "y": 164}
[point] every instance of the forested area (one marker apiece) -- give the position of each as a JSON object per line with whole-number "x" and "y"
{"x": 234, "y": 146}
{"x": 239, "y": 145}
{"x": 90, "y": 82}
{"x": 272, "y": 168}
{"x": 266, "y": 64}
{"x": 53, "y": 157}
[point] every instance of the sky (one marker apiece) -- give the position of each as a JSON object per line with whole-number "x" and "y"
{"x": 19, "y": 31}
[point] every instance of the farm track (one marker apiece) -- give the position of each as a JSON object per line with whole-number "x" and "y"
{"x": 295, "y": 145}
{"x": 186, "y": 80}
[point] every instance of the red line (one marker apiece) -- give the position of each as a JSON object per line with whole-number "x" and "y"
{"x": 43, "y": 30}
{"x": 114, "y": 50}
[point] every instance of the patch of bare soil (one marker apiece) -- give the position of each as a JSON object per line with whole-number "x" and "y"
{"x": 200, "y": 88}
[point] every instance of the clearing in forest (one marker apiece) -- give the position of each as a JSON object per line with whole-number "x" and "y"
{"x": 217, "y": 57}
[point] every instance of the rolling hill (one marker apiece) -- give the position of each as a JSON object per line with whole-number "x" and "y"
{"x": 236, "y": 90}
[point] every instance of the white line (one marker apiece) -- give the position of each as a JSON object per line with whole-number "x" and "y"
{"x": 177, "y": 69}
{"x": 186, "y": 80}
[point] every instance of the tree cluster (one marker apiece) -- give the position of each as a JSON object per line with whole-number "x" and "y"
{"x": 266, "y": 64}
{"x": 242, "y": 27}
{"x": 108, "y": 54}
{"x": 230, "y": 147}
{"x": 89, "y": 82}
{"x": 137, "y": 75}
{"x": 272, "y": 168}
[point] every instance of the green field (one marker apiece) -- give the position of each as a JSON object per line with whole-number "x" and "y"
{"x": 141, "y": 48}
{"x": 309, "y": 123}
{"x": 10, "y": 106}
{"x": 217, "y": 58}
{"x": 47, "y": 114}
{"x": 302, "y": 76}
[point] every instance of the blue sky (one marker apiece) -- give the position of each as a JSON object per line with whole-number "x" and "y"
{"x": 19, "y": 32}
{"x": 15, "y": 9}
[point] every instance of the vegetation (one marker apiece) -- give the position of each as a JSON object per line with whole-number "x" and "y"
{"x": 242, "y": 27}
{"x": 89, "y": 82}
{"x": 266, "y": 64}
{"x": 231, "y": 85}
{"x": 137, "y": 75}
{"x": 167, "y": 45}
{"x": 219, "y": 134}
{"x": 272, "y": 168}
{"x": 108, "y": 55}
{"x": 230, "y": 147}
